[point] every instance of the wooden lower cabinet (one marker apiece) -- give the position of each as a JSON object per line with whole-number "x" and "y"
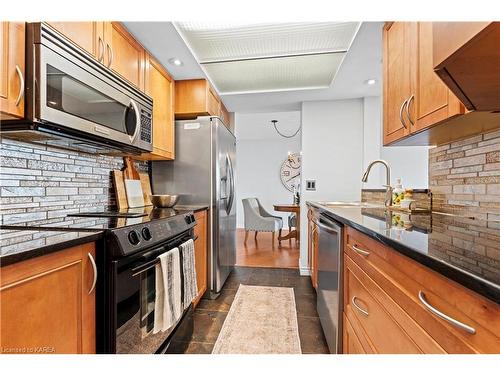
{"x": 46, "y": 306}
{"x": 383, "y": 294}
{"x": 200, "y": 249}
{"x": 351, "y": 343}
{"x": 312, "y": 248}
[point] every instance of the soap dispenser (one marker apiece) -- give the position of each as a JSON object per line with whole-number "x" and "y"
{"x": 398, "y": 193}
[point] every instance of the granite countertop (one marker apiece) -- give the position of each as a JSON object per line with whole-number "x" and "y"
{"x": 19, "y": 245}
{"x": 191, "y": 207}
{"x": 463, "y": 249}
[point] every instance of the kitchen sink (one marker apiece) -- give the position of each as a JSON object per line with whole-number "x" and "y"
{"x": 350, "y": 204}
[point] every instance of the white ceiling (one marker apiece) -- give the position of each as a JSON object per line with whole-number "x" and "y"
{"x": 362, "y": 62}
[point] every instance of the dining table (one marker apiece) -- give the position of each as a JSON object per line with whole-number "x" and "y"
{"x": 293, "y": 208}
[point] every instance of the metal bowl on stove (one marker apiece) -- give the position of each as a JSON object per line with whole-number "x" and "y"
{"x": 164, "y": 200}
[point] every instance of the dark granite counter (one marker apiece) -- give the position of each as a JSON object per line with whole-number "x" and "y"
{"x": 463, "y": 249}
{"x": 19, "y": 245}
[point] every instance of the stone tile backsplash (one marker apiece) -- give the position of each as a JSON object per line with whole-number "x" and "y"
{"x": 464, "y": 176}
{"x": 42, "y": 184}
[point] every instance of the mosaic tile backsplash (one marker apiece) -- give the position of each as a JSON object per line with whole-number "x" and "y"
{"x": 42, "y": 184}
{"x": 464, "y": 176}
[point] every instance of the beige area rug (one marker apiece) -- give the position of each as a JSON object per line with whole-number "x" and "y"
{"x": 262, "y": 320}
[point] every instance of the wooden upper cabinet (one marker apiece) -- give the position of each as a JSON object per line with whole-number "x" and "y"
{"x": 48, "y": 303}
{"x": 12, "y": 72}
{"x": 124, "y": 54}
{"x": 160, "y": 87}
{"x": 224, "y": 115}
{"x": 434, "y": 102}
{"x": 416, "y": 100}
{"x": 87, "y": 35}
{"x": 397, "y": 56}
{"x": 195, "y": 97}
{"x": 467, "y": 58}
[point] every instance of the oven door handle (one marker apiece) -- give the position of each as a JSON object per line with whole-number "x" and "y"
{"x": 148, "y": 265}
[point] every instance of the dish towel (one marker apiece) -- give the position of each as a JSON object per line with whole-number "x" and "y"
{"x": 168, "y": 284}
{"x": 189, "y": 272}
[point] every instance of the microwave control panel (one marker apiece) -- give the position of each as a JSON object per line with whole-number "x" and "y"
{"x": 146, "y": 127}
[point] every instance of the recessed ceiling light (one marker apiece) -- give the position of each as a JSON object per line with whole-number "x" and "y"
{"x": 371, "y": 81}
{"x": 175, "y": 61}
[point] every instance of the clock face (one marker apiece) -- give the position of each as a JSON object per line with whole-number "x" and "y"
{"x": 290, "y": 171}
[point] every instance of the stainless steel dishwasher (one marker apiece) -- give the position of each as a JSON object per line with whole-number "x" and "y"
{"x": 329, "y": 290}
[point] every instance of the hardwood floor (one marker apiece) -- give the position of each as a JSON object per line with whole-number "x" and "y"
{"x": 262, "y": 253}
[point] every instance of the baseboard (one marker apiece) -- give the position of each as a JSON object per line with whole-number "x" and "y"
{"x": 304, "y": 271}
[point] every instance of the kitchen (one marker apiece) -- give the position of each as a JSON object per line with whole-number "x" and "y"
{"x": 134, "y": 154}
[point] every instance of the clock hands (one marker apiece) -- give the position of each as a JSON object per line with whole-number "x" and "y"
{"x": 291, "y": 178}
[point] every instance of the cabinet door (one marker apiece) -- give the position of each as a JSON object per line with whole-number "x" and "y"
{"x": 46, "y": 306}
{"x": 351, "y": 343}
{"x": 397, "y": 40}
{"x": 87, "y": 35}
{"x": 434, "y": 102}
{"x": 160, "y": 87}
{"x": 213, "y": 101}
{"x": 224, "y": 115}
{"x": 12, "y": 70}
{"x": 124, "y": 54}
{"x": 313, "y": 250}
{"x": 200, "y": 248}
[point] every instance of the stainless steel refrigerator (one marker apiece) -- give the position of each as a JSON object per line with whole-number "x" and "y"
{"x": 203, "y": 173}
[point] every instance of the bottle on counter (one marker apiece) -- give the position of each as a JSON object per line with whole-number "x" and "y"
{"x": 398, "y": 193}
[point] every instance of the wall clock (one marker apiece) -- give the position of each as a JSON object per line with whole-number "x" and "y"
{"x": 290, "y": 171}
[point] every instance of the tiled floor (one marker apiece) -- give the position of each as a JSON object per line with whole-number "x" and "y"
{"x": 209, "y": 316}
{"x": 263, "y": 253}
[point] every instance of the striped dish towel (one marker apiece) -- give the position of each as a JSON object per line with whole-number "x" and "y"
{"x": 189, "y": 271}
{"x": 168, "y": 284}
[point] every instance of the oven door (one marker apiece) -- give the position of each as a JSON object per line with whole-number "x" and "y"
{"x": 74, "y": 95}
{"x": 134, "y": 306}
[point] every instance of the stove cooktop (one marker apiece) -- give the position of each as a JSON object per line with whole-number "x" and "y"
{"x": 99, "y": 220}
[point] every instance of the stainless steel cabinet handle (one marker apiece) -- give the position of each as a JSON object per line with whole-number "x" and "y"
{"x": 407, "y": 106}
{"x": 432, "y": 309}
{"x": 110, "y": 55}
{"x": 359, "y": 251}
{"x": 94, "y": 267}
{"x": 362, "y": 311}
{"x": 401, "y": 114}
{"x": 100, "y": 58}
{"x": 21, "y": 85}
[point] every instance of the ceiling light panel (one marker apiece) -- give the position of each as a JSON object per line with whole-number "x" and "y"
{"x": 275, "y": 74}
{"x": 223, "y": 42}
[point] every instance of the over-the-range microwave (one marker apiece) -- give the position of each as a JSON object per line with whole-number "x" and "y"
{"x": 74, "y": 101}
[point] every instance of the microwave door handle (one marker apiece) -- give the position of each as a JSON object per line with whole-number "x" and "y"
{"x": 138, "y": 120}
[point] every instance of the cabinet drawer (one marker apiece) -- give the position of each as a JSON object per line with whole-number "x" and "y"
{"x": 351, "y": 342}
{"x": 384, "y": 334}
{"x": 403, "y": 279}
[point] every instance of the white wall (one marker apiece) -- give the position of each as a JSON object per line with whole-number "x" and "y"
{"x": 339, "y": 139}
{"x": 259, "y": 154}
{"x": 332, "y": 147}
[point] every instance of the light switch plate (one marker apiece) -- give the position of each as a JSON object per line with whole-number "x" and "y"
{"x": 311, "y": 185}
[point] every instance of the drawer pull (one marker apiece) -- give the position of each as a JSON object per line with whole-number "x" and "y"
{"x": 359, "y": 251}
{"x": 363, "y": 311}
{"x": 443, "y": 316}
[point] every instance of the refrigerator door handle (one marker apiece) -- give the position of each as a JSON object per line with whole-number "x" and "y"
{"x": 230, "y": 174}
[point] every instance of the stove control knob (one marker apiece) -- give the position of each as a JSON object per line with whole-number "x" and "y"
{"x": 193, "y": 220}
{"x": 133, "y": 237}
{"x": 146, "y": 234}
{"x": 188, "y": 219}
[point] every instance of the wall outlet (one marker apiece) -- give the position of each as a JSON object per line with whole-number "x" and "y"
{"x": 311, "y": 185}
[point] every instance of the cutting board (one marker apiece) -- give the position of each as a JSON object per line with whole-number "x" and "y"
{"x": 132, "y": 182}
{"x": 120, "y": 193}
{"x": 146, "y": 188}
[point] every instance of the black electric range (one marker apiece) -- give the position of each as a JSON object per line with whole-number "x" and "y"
{"x": 126, "y": 264}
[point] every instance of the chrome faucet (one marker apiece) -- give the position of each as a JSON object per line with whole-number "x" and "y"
{"x": 388, "y": 191}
